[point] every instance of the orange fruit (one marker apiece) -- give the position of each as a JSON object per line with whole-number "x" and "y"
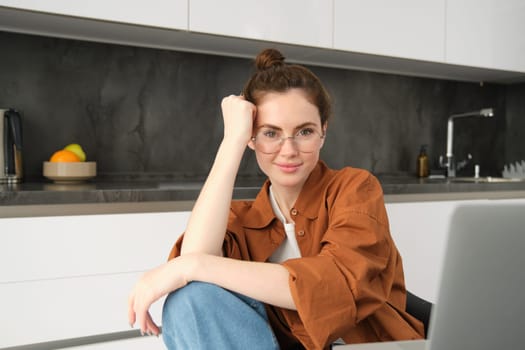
{"x": 64, "y": 156}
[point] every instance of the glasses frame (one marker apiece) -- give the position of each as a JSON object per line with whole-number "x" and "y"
{"x": 282, "y": 140}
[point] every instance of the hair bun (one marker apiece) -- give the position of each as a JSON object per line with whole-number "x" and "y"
{"x": 269, "y": 58}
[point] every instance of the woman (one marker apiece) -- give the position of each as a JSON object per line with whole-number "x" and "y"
{"x": 309, "y": 261}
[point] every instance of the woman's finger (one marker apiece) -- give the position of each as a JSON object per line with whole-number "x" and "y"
{"x": 131, "y": 310}
{"x": 152, "y": 328}
{"x": 141, "y": 317}
{"x": 138, "y": 308}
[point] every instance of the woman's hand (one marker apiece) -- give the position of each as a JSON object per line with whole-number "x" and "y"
{"x": 238, "y": 115}
{"x": 152, "y": 286}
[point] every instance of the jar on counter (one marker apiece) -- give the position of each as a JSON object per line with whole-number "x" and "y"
{"x": 422, "y": 162}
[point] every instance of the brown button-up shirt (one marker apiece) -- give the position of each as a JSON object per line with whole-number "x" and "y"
{"x": 349, "y": 280}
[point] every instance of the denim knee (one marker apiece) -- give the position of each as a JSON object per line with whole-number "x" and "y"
{"x": 184, "y": 299}
{"x": 188, "y": 301}
{"x": 204, "y": 316}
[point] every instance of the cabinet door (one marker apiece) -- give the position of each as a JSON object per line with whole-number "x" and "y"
{"x": 171, "y": 14}
{"x": 82, "y": 245}
{"x": 293, "y": 21}
{"x": 67, "y": 308}
{"x": 70, "y": 276}
{"x": 402, "y": 28}
{"x": 486, "y": 33}
{"x": 420, "y": 231}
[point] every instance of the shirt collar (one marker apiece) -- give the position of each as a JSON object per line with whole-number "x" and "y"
{"x": 275, "y": 206}
{"x": 261, "y": 213}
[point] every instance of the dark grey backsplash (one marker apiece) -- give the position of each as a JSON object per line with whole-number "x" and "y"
{"x": 145, "y": 112}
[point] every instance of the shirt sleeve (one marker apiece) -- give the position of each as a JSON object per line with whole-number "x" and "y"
{"x": 353, "y": 274}
{"x": 230, "y": 247}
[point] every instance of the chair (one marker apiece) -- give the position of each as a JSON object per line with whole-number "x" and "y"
{"x": 415, "y": 306}
{"x": 420, "y": 309}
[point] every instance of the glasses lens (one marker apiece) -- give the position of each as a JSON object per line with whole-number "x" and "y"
{"x": 268, "y": 140}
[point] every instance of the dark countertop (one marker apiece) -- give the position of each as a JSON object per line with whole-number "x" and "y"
{"x": 140, "y": 191}
{"x": 111, "y": 191}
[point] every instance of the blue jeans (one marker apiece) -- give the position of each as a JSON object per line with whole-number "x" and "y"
{"x": 205, "y": 316}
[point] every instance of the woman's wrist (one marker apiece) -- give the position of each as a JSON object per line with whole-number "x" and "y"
{"x": 235, "y": 141}
{"x": 191, "y": 266}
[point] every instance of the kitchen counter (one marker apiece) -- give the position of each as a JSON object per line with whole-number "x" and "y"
{"x": 114, "y": 196}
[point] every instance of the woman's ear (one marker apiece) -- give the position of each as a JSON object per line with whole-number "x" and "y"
{"x": 251, "y": 144}
{"x": 325, "y": 126}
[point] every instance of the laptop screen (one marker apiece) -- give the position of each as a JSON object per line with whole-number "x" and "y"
{"x": 480, "y": 303}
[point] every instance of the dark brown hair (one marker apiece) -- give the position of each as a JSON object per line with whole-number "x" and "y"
{"x": 274, "y": 75}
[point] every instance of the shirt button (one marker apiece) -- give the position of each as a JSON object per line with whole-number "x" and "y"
{"x": 294, "y": 211}
{"x": 300, "y": 233}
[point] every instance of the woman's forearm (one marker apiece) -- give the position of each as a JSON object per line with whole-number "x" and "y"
{"x": 208, "y": 220}
{"x": 266, "y": 282}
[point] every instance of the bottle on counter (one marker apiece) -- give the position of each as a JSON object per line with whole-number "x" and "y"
{"x": 422, "y": 162}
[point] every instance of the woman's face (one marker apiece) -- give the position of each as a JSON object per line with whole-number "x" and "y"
{"x": 283, "y": 115}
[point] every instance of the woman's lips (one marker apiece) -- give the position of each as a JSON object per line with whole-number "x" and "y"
{"x": 288, "y": 168}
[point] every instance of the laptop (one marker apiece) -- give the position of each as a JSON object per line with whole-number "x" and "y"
{"x": 481, "y": 300}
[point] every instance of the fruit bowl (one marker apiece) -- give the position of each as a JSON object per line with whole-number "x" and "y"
{"x": 70, "y": 172}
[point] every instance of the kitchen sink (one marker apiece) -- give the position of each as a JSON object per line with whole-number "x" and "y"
{"x": 485, "y": 179}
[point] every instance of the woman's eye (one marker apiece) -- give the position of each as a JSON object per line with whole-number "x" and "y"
{"x": 305, "y": 132}
{"x": 269, "y": 134}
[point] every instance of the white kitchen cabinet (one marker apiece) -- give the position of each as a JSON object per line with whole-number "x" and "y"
{"x": 66, "y": 308}
{"x": 420, "y": 231}
{"x": 401, "y": 37}
{"x": 486, "y": 34}
{"x": 172, "y": 14}
{"x": 68, "y": 277}
{"x": 299, "y": 22}
{"x": 402, "y": 28}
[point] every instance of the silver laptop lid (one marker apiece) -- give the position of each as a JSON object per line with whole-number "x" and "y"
{"x": 481, "y": 303}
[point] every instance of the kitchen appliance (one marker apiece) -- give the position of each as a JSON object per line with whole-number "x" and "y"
{"x": 10, "y": 146}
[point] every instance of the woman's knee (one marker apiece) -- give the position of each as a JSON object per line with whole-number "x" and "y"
{"x": 188, "y": 300}
{"x": 201, "y": 314}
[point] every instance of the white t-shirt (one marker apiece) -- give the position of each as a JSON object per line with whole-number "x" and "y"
{"x": 289, "y": 248}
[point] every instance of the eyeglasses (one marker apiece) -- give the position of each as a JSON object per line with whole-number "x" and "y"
{"x": 269, "y": 140}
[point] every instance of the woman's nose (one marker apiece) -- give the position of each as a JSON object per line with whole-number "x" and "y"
{"x": 288, "y": 146}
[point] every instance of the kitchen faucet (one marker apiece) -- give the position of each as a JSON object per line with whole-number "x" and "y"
{"x": 450, "y": 163}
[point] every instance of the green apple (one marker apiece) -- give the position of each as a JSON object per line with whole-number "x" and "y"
{"x": 77, "y": 149}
